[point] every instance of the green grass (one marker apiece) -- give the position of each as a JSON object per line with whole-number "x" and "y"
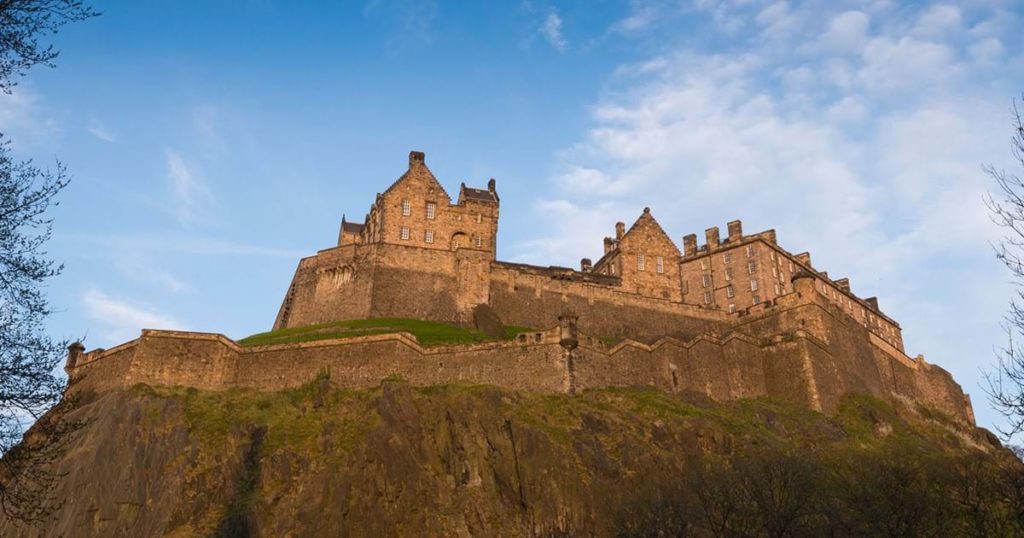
{"x": 427, "y": 332}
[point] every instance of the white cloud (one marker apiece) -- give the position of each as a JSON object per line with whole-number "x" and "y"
{"x": 22, "y": 118}
{"x": 847, "y": 31}
{"x": 100, "y": 131}
{"x": 551, "y": 29}
{"x": 188, "y": 190}
{"x": 120, "y": 321}
{"x": 858, "y": 135}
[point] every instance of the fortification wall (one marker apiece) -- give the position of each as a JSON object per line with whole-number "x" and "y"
{"x": 529, "y": 299}
{"x": 795, "y": 367}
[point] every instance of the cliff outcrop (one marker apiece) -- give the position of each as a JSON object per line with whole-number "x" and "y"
{"x": 465, "y": 460}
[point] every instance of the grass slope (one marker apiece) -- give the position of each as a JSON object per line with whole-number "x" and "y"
{"x": 427, "y": 332}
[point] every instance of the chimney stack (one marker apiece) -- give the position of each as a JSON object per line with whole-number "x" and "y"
{"x": 491, "y": 184}
{"x": 873, "y": 303}
{"x": 711, "y": 234}
{"x": 620, "y": 230}
{"x": 805, "y": 258}
{"x": 416, "y": 157}
{"x": 689, "y": 245}
{"x": 735, "y": 231}
{"x": 844, "y": 284}
{"x": 608, "y": 245}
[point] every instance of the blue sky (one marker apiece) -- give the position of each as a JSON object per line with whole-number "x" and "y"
{"x": 214, "y": 144}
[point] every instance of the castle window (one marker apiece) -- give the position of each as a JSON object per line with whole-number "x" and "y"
{"x": 750, "y": 251}
{"x": 428, "y": 236}
{"x": 659, "y": 264}
{"x": 431, "y": 207}
{"x": 757, "y": 300}
{"x": 753, "y": 285}
{"x": 639, "y": 262}
{"x": 727, "y": 257}
{"x": 751, "y": 267}
{"x": 704, "y": 263}
{"x": 778, "y": 290}
{"x": 728, "y": 274}
{"x": 730, "y": 292}
{"x": 732, "y": 307}
{"x": 707, "y": 297}
{"x": 404, "y": 233}
{"x": 707, "y": 280}
{"x": 406, "y": 210}
{"x": 479, "y": 218}
{"x": 775, "y": 271}
{"x": 479, "y": 241}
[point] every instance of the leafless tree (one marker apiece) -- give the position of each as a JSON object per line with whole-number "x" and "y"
{"x": 28, "y": 355}
{"x": 1005, "y": 385}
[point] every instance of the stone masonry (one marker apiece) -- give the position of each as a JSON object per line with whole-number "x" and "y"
{"x": 734, "y": 317}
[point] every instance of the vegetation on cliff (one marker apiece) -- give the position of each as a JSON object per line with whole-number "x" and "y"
{"x": 427, "y": 332}
{"x": 458, "y": 460}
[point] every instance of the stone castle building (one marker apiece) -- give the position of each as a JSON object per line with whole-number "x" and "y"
{"x": 418, "y": 254}
{"x": 735, "y": 317}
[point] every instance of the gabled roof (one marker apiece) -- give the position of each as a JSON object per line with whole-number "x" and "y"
{"x": 647, "y": 221}
{"x": 418, "y": 171}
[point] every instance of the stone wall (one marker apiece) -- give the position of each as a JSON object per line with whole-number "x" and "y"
{"x": 794, "y": 366}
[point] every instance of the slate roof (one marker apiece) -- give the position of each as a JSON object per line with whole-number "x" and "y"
{"x": 352, "y": 227}
{"x": 482, "y": 195}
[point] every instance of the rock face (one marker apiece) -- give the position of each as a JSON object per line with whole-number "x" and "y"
{"x": 415, "y": 461}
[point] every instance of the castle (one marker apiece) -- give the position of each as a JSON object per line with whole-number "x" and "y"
{"x": 418, "y": 255}
{"x": 732, "y": 318}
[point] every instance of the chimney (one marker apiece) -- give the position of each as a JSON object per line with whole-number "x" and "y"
{"x": 873, "y": 303}
{"x": 620, "y": 230}
{"x": 608, "y": 245}
{"x": 735, "y": 231}
{"x": 769, "y": 235}
{"x": 586, "y": 265}
{"x": 689, "y": 245}
{"x": 805, "y": 258}
{"x": 711, "y": 234}
{"x": 416, "y": 157}
{"x": 844, "y": 284}
{"x": 491, "y": 184}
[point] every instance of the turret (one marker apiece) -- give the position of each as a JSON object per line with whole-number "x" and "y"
{"x": 75, "y": 352}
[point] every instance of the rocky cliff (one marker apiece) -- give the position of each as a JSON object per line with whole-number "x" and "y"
{"x": 459, "y": 460}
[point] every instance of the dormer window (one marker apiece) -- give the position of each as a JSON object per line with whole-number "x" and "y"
{"x": 431, "y": 208}
{"x": 406, "y": 208}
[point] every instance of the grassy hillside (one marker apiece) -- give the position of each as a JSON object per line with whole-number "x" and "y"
{"x": 427, "y": 332}
{"x": 459, "y": 460}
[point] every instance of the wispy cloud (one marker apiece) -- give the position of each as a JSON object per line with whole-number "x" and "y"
{"x": 551, "y": 29}
{"x": 413, "y": 21}
{"x": 121, "y": 320}
{"x": 101, "y": 131}
{"x": 188, "y": 190}
{"x": 857, "y": 133}
{"x": 23, "y": 118}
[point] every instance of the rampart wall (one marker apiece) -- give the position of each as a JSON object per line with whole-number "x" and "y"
{"x": 794, "y": 365}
